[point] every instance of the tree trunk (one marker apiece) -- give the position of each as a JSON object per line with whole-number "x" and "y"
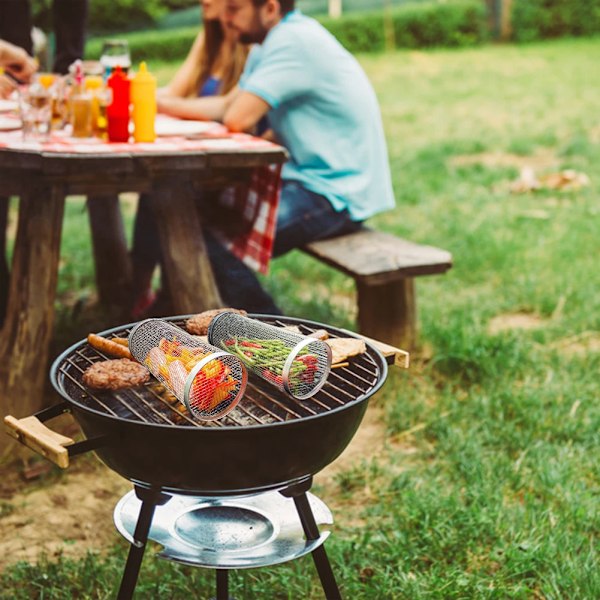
{"x": 500, "y": 18}
{"x": 388, "y": 26}
{"x": 335, "y": 9}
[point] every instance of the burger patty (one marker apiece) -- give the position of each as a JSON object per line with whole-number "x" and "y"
{"x": 198, "y": 324}
{"x": 115, "y": 374}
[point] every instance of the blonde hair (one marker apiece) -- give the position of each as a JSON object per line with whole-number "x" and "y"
{"x": 214, "y": 38}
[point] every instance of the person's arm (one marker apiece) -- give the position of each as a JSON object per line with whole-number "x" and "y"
{"x": 245, "y": 111}
{"x": 16, "y": 61}
{"x": 180, "y": 85}
{"x": 207, "y": 108}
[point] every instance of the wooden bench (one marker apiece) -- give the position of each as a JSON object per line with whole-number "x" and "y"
{"x": 383, "y": 267}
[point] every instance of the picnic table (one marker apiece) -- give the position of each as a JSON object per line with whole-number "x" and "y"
{"x": 43, "y": 174}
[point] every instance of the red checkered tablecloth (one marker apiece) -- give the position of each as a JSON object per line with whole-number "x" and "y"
{"x": 255, "y": 202}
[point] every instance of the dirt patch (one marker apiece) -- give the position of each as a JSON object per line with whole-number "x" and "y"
{"x": 542, "y": 159}
{"x": 510, "y": 321}
{"x": 580, "y": 344}
{"x": 70, "y": 512}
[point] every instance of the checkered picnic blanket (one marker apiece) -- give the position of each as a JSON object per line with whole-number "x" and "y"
{"x": 254, "y": 202}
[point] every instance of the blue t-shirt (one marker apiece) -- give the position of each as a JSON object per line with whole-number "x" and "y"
{"x": 325, "y": 112}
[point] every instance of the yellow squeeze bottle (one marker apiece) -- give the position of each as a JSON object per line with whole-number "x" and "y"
{"x": 143, "y": 98}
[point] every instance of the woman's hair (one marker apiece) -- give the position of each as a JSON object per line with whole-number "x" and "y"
{"x": 214, "y": 37}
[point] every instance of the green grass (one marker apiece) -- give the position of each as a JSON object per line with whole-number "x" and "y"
{"x": 495, "y": 494}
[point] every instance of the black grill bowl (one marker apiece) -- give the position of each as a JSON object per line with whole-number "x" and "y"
{"x": 221, "y": 458}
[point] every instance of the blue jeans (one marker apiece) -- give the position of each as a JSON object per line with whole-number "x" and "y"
{"x": 303, "y": 217}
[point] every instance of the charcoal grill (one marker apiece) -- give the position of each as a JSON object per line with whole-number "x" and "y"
{"x": 270, "y": 441}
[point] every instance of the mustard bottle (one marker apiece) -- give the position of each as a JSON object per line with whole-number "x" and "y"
{"x": 143, "y": 98}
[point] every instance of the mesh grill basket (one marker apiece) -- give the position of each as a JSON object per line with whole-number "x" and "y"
{"x": 208, "y": 381}
{"x": 294, "y": 363}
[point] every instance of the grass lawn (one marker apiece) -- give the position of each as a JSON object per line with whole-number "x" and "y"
{"x": 489, "y": 483}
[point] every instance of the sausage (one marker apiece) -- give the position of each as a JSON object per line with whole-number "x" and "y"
{"x": 108, "y": 346}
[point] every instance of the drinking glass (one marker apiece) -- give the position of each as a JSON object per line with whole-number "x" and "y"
{"x": 35, "y": 104}
{"x": 115, "y": 53}
{"x": 101, "y": 98}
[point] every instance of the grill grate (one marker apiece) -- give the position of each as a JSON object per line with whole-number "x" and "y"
{"x": 262, "y": 403}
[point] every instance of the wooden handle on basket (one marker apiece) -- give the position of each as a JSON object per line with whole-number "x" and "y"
{"x": 401, "y": 358}
{"x": 31, "y": 432}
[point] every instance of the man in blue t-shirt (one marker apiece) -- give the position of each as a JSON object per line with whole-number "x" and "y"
{"x": 322, "y": 108}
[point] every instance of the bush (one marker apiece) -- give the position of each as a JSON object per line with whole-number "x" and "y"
{"x": 539, "y": 19}
{"x": 456, "y": 23}
{"x": 168, "y": 45}
{"x": 453, "y": 24}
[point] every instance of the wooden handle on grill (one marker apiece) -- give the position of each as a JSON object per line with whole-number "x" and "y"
{"x": 31, "y": 432}
{"x": 401, "y": 358}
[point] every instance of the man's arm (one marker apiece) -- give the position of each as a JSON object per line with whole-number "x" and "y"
{"x": 245, "y": 111}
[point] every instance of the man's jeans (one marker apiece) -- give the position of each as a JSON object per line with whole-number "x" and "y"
{"x": 303, "y": 217}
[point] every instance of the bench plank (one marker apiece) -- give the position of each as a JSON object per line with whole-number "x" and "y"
{"x": 383, "y": 267}
{"x": 373, "y": 257}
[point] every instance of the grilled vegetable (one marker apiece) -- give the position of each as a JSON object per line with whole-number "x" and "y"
{"x": 268, "y": 357}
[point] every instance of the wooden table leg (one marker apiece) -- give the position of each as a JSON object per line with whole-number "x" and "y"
{"x": 188, "y": 271}
{"x": 111, "y": 258}
{"x": 27, "y": 330}
{"x": 4, "y": 272}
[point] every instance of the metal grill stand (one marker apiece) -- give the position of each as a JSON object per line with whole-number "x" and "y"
{"x": 151, "y": 498}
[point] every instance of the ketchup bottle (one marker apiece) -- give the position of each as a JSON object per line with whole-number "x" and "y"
{"x": 117, "y": 111}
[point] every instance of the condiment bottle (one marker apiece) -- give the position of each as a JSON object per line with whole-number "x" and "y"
{"x": 117, "y": 111}
{"x": 143, "y": 98}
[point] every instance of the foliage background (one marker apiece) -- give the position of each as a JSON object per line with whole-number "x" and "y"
{"x": 531, "y": 19}
{"x": 489, "y": 482}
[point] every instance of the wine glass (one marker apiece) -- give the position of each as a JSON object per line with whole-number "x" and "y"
{"x": 115, "y": 53}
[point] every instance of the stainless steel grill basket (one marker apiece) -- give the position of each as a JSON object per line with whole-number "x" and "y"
{"x": 294, "y": 363}
{"x": 208, "y": 381}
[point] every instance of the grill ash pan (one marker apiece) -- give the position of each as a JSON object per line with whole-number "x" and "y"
{"x": 268, "y": 441}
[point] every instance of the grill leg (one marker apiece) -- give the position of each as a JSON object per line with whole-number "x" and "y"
{"x": 311, "y": 531}
{"x": 150, "y": 500}
{"x": 222, "y": 584}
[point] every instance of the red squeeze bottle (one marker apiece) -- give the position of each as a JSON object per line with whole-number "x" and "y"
{"x": 117, "y": 112}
